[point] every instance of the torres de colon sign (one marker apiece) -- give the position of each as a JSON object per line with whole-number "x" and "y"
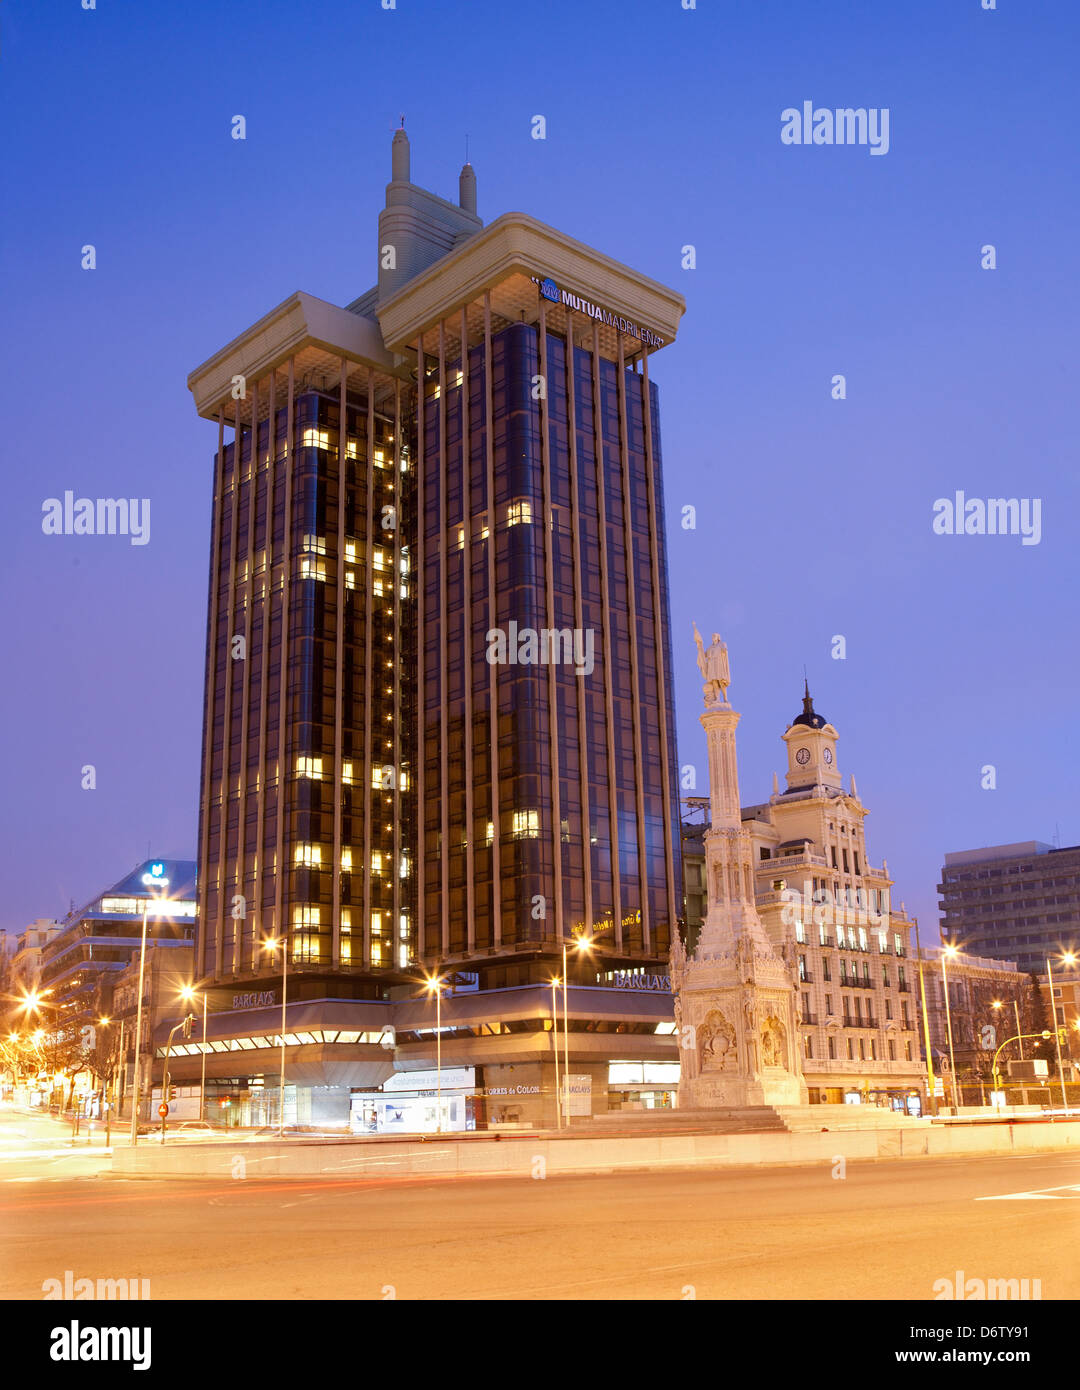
{"x": 550, "y": 291}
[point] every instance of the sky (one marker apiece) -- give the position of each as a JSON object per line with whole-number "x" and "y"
{"x": 813, "y": 515}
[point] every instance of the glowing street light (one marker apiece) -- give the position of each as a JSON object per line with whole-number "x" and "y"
{"x": 1067, "y": 958}
{"x": 949, "y": 951}
{"x": 188, "y": 995}
{"x": 271, "y": 943}
{"x": 434, "y": 985}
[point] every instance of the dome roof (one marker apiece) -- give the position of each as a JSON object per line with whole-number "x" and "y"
{"x": 808, "y": 718}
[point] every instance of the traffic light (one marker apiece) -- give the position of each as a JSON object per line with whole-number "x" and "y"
{"x": 172, "y": 1093}
{"x": 187, "y": 1025}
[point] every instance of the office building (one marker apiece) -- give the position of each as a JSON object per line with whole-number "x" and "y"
{"x": 1018, "y": 902}
{"x": 438, "y": 723}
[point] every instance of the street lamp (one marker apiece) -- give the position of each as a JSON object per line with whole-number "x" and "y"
{"x": 159, "y": 903}
{"x": 555, "y": 1039}
{"x": 111, "y": 1101}
{"x": 1067, "y": 958}
{"x": 271, "y": 943}
{"x": 949, "y": 951}
{"x": 434, "y": 985}
{"x": 188, "y": 995}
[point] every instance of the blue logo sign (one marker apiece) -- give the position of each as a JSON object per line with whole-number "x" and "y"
{"x": 156, "y": 870}
{"x": 550, "y": 290}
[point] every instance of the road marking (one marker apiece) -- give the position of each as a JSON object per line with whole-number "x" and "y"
{"x": 1045, "y": 1194}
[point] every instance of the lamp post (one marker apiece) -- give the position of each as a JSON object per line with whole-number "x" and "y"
{"x": 188, "y": 994}
{"x": 138, "y": 1019}
{"x": 1067, "y": 958}
{"x": 949, "y": 951}
{"x": 555, "y": 1040}
{"x": 271, "y": 944}
{"x": 434, "y": 986}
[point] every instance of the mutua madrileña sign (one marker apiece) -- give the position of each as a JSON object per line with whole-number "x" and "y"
{"x": 550, "y": 291}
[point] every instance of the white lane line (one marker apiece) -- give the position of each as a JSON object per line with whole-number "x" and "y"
{"x": 1044, "y": 1194}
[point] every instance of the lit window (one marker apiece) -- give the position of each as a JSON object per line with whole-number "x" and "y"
{"x": 403, "y": 926}
{"x": 376, "y": 778}
{"x": 403, "y": 868}
{"x": 376, "y": 953}
{"x": 376, "y": 924}
{"x": 378, "y": 558}
{"x": 376, "y": 861}
{"x": 350, "y": 579}
{"x": 305, "y": 948}
{"x": 315, "y": 545}
{"x": 350, "y": 552}
{"x": 119, "y": 905}
{"x": 346, "y": 948}
{"x": 527, "y": 824}
{"x": 351, "y": 449}
{"x": 306, "y": 916}
{"x": 346, "y": 919}
{"x": 377, "y": 588}
{"x": 403, "y": 957}
{"x": 489, "y": 834}
{"x": 316, "y": 439}
{"x": 312, "y": 568}
{"x": 346, "y": 774}
{"x": 346, "y": 859}
{"x": 404, "y": 563}
{"x": 519, "y": 513}
{"x": 309, "y": 767}
{"x": 308, "y": 855}
{"x": 380, "y": 458}
{"x": 403, "y": 780}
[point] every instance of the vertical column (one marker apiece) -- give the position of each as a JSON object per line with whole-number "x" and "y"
{"x": 238, "y": 441}
{"x": 397, "y": 671}
{"x": 579, "y": 620}
{"x": 210, "y": 708}
{"x": 466, "y": 637}
{"x": 444, "y": 788}
{"x": 667, "y": 754}
{"x": 281, "y": 868}
{"x": 368, "y": 799}
{"x": 339, "y": 668}
{"x": 265, "y": 595}
{"x": 245, "y": 715}
{"x": 635, "y": 684}
{"x": 492, "y": 621}
{"x": 420, "y": 577}
{"x": 549, "y": 600}
{"x": 609, "y": 711}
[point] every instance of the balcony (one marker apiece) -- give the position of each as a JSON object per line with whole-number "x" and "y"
{"x": 806, "y": 977}
{"x": 809, "y": 1020}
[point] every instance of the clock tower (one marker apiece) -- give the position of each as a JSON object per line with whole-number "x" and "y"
{"x": 811, "y": 749}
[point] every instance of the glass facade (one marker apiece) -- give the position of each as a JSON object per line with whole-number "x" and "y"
{"x": 557, "y": 814}
{"x": 308, "y": 806}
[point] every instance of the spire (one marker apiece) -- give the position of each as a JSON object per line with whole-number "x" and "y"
{"x": 775, "y": 784}
{"x": 467, "y": 188}
{"x": 854, "y": 789}
{"x": 399, "y": 155}
{"x": 808, "y": 703}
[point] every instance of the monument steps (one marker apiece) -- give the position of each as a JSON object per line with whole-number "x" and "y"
{"x": 807, "y": 1119}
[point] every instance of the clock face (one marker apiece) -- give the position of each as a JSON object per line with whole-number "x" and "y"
{"x": 802, "y": 757}
{"x": 828, "y": 755}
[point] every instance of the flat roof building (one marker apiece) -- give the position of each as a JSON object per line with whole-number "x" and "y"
{"x": 438, "y": 722}
{"x": 1018, "y": 902}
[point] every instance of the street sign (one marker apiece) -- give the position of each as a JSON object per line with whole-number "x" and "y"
{"x": 163, "y": 1109}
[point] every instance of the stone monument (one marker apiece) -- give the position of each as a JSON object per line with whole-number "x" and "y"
{"x": 736, "y": 1013}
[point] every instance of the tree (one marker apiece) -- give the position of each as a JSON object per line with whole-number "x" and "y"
{"x": 1040, "y": 1022}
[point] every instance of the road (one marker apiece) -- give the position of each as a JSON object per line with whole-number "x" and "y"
{"x": 884, "y": 1230}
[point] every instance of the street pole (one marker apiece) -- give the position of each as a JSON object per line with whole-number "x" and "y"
{"x": 566, "y": 1033}
{"x": 1057, "y": 1035}
{"x": 202, "y": 1083}
{"x": 948, "y": 1027}
{"x": 284, "y": 995}
{"x": 555, "y": 1040}
{"x": 438, "y": 1057}
{"x": 932, "y": 1097}
{"x": 138, "y": 1032}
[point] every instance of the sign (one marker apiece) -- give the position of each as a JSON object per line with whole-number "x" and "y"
{"x": 453, "y": 1079}
{"x": 577, "y": 1095}
{"x": 255, "y": 999}
{"x": 163, "y": 1109}
{"x": 549, "y": 290}
{"x": 628, "y": 979}
{"x": 939, "y": 1088}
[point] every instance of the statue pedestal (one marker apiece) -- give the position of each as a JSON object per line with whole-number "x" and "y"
{"x": 737, "y": 1031}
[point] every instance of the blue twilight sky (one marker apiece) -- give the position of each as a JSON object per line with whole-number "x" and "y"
{"x": 663, "y": 130}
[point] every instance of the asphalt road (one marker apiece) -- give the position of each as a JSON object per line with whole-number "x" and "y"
{"x": 885, "y": 1230}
